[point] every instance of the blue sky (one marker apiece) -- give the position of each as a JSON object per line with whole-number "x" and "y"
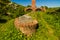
{"x": 49, "y": 3}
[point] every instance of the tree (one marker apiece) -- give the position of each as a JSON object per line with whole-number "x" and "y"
{"x": 28, "y": 5}
{"x": 46, "y": 7}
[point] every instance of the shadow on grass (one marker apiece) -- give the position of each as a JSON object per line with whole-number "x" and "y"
{"x": 3, "y": 20}
{"x": 37, "y": 26}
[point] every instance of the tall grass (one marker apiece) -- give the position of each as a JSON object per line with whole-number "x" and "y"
{"x": 49, "y": 28}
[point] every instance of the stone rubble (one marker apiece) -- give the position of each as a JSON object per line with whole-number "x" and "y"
{"x": 26, "y": 24}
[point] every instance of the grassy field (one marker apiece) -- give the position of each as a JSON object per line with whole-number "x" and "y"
{"x": 49, "y": 28}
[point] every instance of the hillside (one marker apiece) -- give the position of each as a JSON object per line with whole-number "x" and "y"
{"x": 49, "y": 28}
{"x": 48, "y": 22}
{"x": 9, "y": 10}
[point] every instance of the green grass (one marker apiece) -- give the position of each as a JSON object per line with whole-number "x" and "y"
{"x": 49, "y": 28}
{"x": 9, "y": 32}
{"x": 48, "y": 24}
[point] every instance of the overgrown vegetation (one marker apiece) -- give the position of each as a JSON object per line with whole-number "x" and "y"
{"x": 49, "y": 22}
{"x": 10, "y": 10}
{"x": 49, "y": 28}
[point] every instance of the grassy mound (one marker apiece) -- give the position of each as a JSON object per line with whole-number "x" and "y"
{"x": 9, "y": 32}
{"x": 49, "y": 28}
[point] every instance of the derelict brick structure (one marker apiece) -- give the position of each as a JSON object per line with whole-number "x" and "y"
{"x": 26, "y": 24}
{"x": 34, "y": 8}
{"x": 33, "y": 5}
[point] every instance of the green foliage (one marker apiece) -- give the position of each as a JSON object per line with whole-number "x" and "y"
{"x": 29, "y": 6}
{"x": 10, "y": 10}
{"x": 49, "y": 28}
{"x": 49, "y": 23}
{"x": 9, "y": 32}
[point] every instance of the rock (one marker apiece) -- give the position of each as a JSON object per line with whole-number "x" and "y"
{"x": 26, "y": 24}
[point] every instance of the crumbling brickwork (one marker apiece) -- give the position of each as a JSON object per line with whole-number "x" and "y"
{"x": 34, "y": 8}
{"x": 26, "y": 24}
